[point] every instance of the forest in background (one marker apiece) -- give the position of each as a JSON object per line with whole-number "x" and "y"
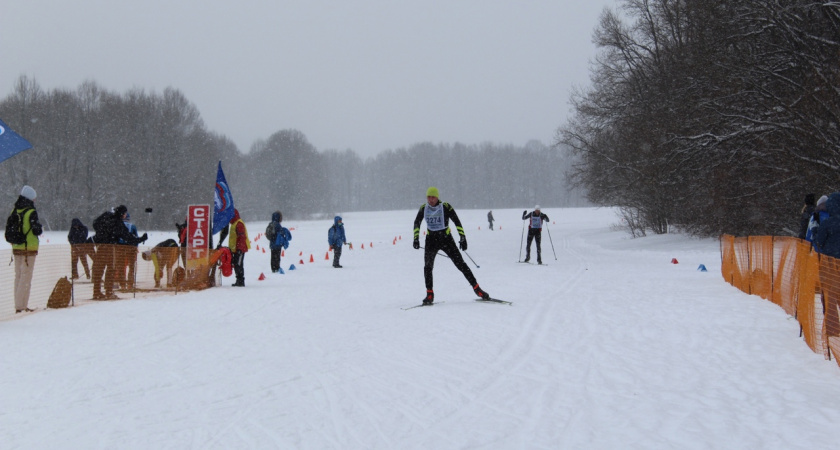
{"x": 711, "y": 116}
{"x": 94, "y": 149}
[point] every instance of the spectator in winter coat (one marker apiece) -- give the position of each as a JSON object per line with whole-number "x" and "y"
{"x": 239, "y": 245}
{"x": 278, "y": 239}
{"x": 127, "y": 256}
{"x": 805, "y": 215}
{"x": 336, "y": 239}
{"x": 490, "y": 219}
{"x": 24, "y": 254}
{"x": 827, "y": 238}
{"x": 438, "y": 237}
{"x": 536, "y": 219}
{"x": 77, "y": 236}
{"x": 109, "y": 229}
{"x": 164, "y": 256}
{"x": 820, "y": 214}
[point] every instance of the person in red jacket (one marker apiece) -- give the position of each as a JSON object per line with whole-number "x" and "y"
{"x": 239, "y": 245}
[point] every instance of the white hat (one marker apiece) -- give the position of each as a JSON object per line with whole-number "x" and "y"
{"x": 822, "y": 200}
{"x": 28, "y": 192}
{"x": 537, "y": 208}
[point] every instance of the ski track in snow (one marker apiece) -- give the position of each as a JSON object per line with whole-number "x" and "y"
{"x": 607, "y": 346}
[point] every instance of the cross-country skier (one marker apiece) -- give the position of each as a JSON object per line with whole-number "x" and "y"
{"x": 437, "y": 215}
{"x": 536, "y": 219}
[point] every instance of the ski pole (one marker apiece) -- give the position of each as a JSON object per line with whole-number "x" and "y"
{"x": 439, "y": 254}
{"x": 521, "y": 240}
{"x": 473, "y": 261}
{"x": 552, "y": 242}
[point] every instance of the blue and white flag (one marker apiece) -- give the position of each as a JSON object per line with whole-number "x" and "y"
{"x": 11, "y": 143}
{"x": 223, "y": 202}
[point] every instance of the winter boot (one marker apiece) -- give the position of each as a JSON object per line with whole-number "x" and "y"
{"x": 527, "y": 258}
{"x": 480, "y": 292}
{"x": 430, "y": 297}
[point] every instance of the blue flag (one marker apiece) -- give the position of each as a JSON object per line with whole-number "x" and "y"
{"x": 11, "y": 143}
{"x": 223, "y": 209}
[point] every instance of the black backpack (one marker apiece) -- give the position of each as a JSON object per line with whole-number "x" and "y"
{"x": 270, "y": 233}
{"x": 14, "y": 228}
{"x": 100, "y": 224}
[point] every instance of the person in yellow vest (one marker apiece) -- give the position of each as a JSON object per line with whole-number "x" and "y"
{"x": 239, "y": 245}
{"x": 24, "y": 254}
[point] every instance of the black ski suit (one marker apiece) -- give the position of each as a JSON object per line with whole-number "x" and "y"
{"x": 442, "y": 240}
{"x": 534, "y": 232}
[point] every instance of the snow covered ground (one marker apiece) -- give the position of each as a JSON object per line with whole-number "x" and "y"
{"x": 607, "y": 346}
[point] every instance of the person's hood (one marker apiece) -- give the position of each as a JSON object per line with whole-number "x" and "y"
{"x": 23, "y": 202}
{"x": 335, "y": 221}
{"x": 276, "y": 216}
{"x": 77, "y": 223}
{"x": 832, "y": 205}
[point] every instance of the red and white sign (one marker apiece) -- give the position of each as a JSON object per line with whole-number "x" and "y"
{"x": 198, "y": 235}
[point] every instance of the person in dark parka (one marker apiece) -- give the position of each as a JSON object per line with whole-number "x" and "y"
{"x": 828, "y": 233}
{"x": 110, "y": 229}
{"x": 77, "y": 236}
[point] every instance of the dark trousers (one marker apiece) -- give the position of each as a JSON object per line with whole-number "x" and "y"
{"x": 239, "y": 267}
{"x": 103, "y": 264}
{"x": 275, "y": 259}
{"x": 336, "y": 255}
{"x": 534, "y": 234}
{"x": 447, "y": 245}
{"x": 79, "y": 252}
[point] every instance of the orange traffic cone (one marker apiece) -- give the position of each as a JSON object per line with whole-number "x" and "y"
{"x": 363, "y": 246}
{"x": 674, "y": 261}
{"x": 262, "y": 277}
{"x": 263, "y": 249}
{"x": 301, "y": 262}
{"x": 301, "y": 253}
{"x": 283, "y": 253}
{"x": 327, "y": 256}
{"x": 311, "y": 258}
{"x": 371, "y": 245}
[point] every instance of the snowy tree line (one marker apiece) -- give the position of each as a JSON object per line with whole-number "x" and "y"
{"x": 94, "y": 149}
{"x": 712, "y": 115}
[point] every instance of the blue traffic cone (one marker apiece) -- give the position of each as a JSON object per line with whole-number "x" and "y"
{"x": 280, "y": 271}
{"x": 292, "y": 267}
{"x": 702, "y": 268}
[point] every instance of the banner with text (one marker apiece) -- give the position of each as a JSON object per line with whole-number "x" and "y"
{"x": 198, "y": 235}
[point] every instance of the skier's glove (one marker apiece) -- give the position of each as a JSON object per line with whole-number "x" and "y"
{"x": 416, "y": 243}
{"x": 524, "y": 212}
{"x": 463, "y": 243}
{"x": 144, "y": 237}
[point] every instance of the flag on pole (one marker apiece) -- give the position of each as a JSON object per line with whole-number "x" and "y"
{"x": 223, "y": 209}
{"x": 11, "y": 143}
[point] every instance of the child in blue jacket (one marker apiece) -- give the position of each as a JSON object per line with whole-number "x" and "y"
{"x": 278, "y": 239}
{"x": 336, "y": 238}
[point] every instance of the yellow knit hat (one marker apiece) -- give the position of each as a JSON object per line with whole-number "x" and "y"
{"x": 432, "y": 192}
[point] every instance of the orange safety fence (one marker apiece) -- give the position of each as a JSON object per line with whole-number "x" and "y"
{"x": 139, "y": 272}
{"x": 789, "y": 273}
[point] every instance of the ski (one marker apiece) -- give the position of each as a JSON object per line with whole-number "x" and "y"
{"x": 420, "y": 305}
{"x": 493, "y": 300}
{"x": 532, "y": 264}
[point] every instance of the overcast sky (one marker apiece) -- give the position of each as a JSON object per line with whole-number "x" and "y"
{"x": 366, "y": 75}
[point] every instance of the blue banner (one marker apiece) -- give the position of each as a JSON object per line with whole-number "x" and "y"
{"x": 223, "y": 202}
{"x": 11, "y": 143}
